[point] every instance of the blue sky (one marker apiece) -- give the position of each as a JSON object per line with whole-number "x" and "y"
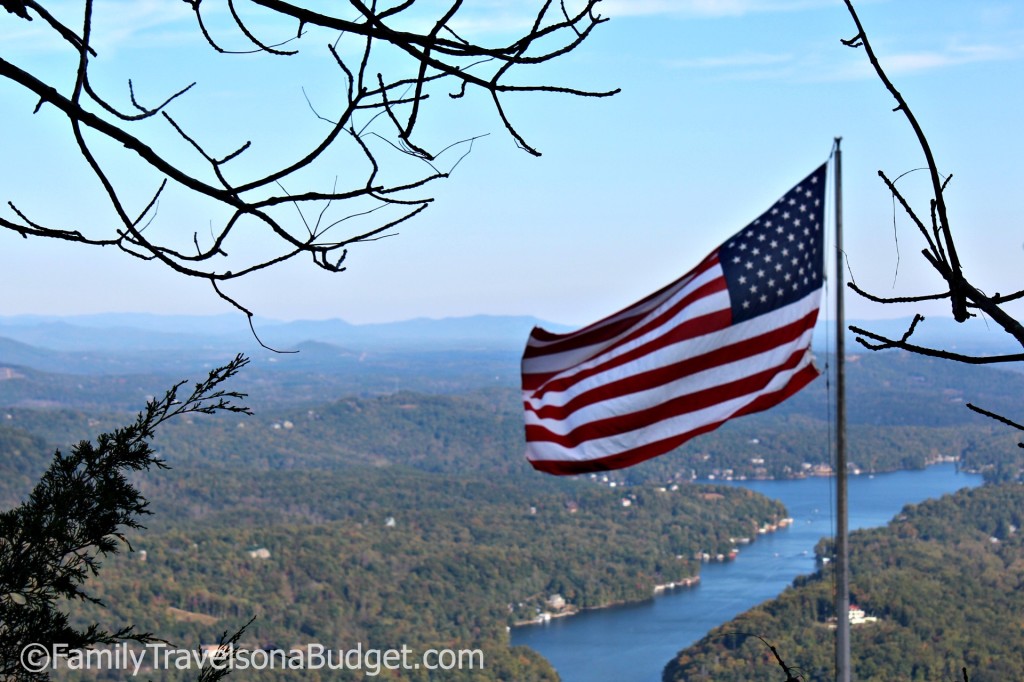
{"x": 724, "y": 105}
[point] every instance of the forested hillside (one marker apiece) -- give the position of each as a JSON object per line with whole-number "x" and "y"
{"x": 386, "y": 558}
{"x": 943, "y": 579}
{"x": 389, "y": 516}
{"x": 915, "y": 416}
{"x": 407, "y": 519}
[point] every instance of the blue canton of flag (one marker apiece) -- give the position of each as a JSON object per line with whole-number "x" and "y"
{"x": 776, "y": 260}
{"x": 730, "y": 337}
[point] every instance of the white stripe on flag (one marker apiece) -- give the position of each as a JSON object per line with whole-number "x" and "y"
{"x": 578, "y": 359}
{"x": 730, "y": 337}
{"x": 623, "y": 442}
{"x": 677, "y": 387}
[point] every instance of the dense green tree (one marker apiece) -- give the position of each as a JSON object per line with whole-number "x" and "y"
{"x": 77, "y": 515}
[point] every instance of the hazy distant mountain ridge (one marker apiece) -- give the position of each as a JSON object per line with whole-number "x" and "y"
{"x": 153, "y": 344}
{"x": 146, "y": 332}
{"x": 140, "y": 333}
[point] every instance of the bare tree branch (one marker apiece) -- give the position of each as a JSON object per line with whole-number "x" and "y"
{"x": 896, "y": 299}
{"x": 998, "y": 418}
{"x": 886, "y": 343}
{"x": 941, "y": 252}
{"x": 378, "y": 98}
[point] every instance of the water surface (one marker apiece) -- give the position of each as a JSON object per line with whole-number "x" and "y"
{"x": 633, "y": 643}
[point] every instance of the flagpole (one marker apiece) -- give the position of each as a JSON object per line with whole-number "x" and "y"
{"x": 842, "y": 598}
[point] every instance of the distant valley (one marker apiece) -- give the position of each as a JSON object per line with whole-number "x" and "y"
{"x": 383, "y": 474}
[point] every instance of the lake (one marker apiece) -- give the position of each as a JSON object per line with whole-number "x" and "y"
{"x": 633, "y": 643}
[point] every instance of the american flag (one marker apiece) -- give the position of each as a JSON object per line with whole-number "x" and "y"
{"x": 729, "y": 338}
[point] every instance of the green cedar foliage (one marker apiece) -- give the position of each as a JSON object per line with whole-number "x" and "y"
{"x": 77, "y": 515}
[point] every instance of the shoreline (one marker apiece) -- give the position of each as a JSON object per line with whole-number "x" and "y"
{"x": 684, "y": 583}
{"x": 637, "y": 642}
{"x": 548, "y": 616}
{"x": 824, "y": 471}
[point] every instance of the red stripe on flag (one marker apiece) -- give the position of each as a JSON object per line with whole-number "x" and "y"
{"x": 642, "y": 381}
{"x": 674, "y": 407}
{"x": 730, "y": 337}
{"x": 711, "y": 322}
{"x": 562, "y": 467}
{"x": 607, "y": 329}
{"x": 541, "y": 384}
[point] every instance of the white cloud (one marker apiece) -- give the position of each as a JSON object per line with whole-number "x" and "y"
{"x": 706, "y": 8}
{"x": 504, "y": 15}
{"x": 919, "y": 62}
{"x": 135, "y": 23}
{"x": 815, "y": 66}
{"x": 115, "y": 23}
{"x": 491, "y": 22}
{"x": 741, "y": 60}
{"x": 968, "y": 54}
